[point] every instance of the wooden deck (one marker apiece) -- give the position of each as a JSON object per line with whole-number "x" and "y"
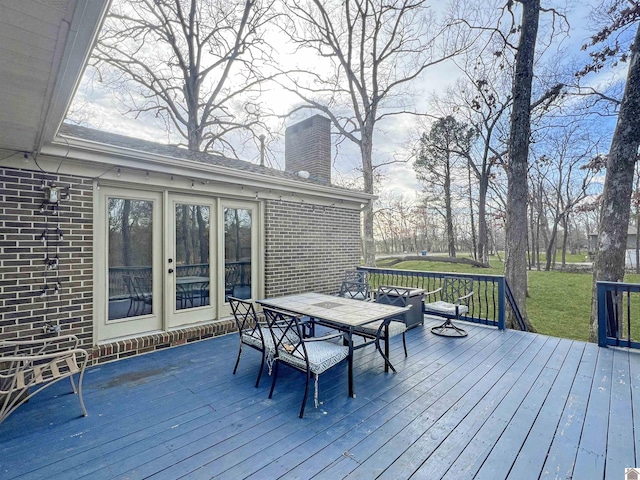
{"x": 492, "y": 405}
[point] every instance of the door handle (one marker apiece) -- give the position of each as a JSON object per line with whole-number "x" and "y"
{"x": 171, "y": 270}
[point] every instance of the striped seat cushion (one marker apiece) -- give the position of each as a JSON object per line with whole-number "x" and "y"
{"x": 322, "y": 356}
{"x": 445, "y": 308}
{"x": 395, "y": 328}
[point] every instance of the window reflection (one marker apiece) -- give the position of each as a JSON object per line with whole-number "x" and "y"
{"x": 130, "y": 250}
{"x": 237, "y": 252}
{"x": 192, "y": 255}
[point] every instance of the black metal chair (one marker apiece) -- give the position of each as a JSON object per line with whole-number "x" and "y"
{"x": 355, "y": 290}
{"x": 454, "y": 293}
{"x": 133, "y": 296}
{"x": 390, "y": 327}
{"x": 144, "y": 293}
{"x": 359, "y": 276}
{"x": 314, "y": 355}
{"x": 250, "y": 328}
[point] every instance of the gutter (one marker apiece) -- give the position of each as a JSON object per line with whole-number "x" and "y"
{"x": 95, "y": 152}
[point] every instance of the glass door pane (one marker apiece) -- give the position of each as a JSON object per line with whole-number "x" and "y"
{"x": 237, "y": 252}
{"x": 130, "y": 254}
{"x": 192, "y": 227}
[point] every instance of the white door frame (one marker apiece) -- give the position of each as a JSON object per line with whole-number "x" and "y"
{"x": 105, "y": 329}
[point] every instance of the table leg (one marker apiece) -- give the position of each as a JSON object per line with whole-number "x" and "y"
{"x": 386, "y": 347}
{"x": 352, "y": 393}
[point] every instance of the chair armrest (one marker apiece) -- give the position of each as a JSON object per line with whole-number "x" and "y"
{"x": 465, "y": 296}
{"x": 426, "y": 294}
{"x": 48, "y": 340}
{"x": 324, "y": 337}
{"x": 38, "y": 347}
{"x": 44, "y": 356}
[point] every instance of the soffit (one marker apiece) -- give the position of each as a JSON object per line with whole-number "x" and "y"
{"x": 43, "y": 48}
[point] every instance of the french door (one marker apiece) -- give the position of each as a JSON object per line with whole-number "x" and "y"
{"x": 190, "y": 272}
{"x": 127, "y": 261}
{"x": 164, "y": 260}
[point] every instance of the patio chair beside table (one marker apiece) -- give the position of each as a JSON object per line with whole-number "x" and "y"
{"x": 343, "y": 314}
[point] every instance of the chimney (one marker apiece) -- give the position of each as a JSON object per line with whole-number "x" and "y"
{"x": 307, "y": 148}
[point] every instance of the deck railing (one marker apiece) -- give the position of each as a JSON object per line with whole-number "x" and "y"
{"x": 618, "y": 314}
{"x": 236, "y": 273}
{"x": 486, "y": 306}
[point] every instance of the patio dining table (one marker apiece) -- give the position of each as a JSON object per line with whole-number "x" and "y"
{"x": 344, "y": 314}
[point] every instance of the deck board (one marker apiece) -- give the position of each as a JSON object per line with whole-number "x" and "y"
{"x": 540, "y": 436}
{"x": 592, "y": 450}
{"x": 490, "y": 405}
{"x": 620, "y": 429}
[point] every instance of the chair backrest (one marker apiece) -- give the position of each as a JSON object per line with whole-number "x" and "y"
{"x": 455, "y": 287}
{"x": 398, "y": 296}
{"x": 143, "y": 287}
{"x": 359, "y": 276}
{"x": 128, "y": 283}
{"x": 287, "y": 332}
{"x": 352, "y": 289}
{"x": 245, "y": 316}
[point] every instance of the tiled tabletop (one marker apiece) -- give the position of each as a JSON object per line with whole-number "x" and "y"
{"x": 335, "y": 309}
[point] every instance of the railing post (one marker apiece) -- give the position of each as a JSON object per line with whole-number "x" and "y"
{"x": 501, "y": 304}
{"x": 602, "y": 314}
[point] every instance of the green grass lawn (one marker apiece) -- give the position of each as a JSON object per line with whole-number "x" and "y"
{"x": 559, "y": 303}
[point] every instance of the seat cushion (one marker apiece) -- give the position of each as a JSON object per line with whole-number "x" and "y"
{"x": 322, "y": 356}
{"x": 445, "y": 308}
{"x": 254, "y": 340}
{"x": 395, "y": 328}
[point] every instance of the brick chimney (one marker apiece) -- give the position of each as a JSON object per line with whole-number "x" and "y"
{"x": 307, "y": 148}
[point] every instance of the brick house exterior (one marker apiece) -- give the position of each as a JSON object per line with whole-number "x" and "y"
{"x": 309, "y": 240}
{"x": 58, "y": 182}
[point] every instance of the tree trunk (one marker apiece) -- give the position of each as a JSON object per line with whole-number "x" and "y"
{"x": 551, "y": 247}
{"x": 565, "y": 239}
{"x": 516, "y": 222}
{"x": 368, "y": 244}
{"x": 637, "y": 240}
{"x": 451, "y": 241}
{"x": 618, "y": 185}
{"x": 483, "y": 236}
{"x": 534, "y": 238}
{"x": 474, "y": 240}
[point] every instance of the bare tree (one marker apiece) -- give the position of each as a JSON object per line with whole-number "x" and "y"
{"x": 623, "y": 153}
{"x": 193, "y": 63}
{"x": 373, "y": 51}
{"x": 560, "y": 180}
{"x": 439, "y": 155}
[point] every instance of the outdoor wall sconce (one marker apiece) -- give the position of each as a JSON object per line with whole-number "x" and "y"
{"x": 52, "y": 194}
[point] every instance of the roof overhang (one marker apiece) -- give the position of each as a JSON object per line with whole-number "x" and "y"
{"x": 104, "y": 161}
{"x": 44, "y": 46}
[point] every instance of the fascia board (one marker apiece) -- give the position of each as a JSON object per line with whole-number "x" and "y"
{"x": 99, "y": 153}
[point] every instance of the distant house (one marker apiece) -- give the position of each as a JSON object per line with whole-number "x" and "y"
{"x": 133, "y": 245}
{"x": 630, "y": 258}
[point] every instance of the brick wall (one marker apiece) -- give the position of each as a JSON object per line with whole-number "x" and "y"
{"x": 23, "y": 220}
{"x": 308, "y": 147}
{"x": 308, "y": 248}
